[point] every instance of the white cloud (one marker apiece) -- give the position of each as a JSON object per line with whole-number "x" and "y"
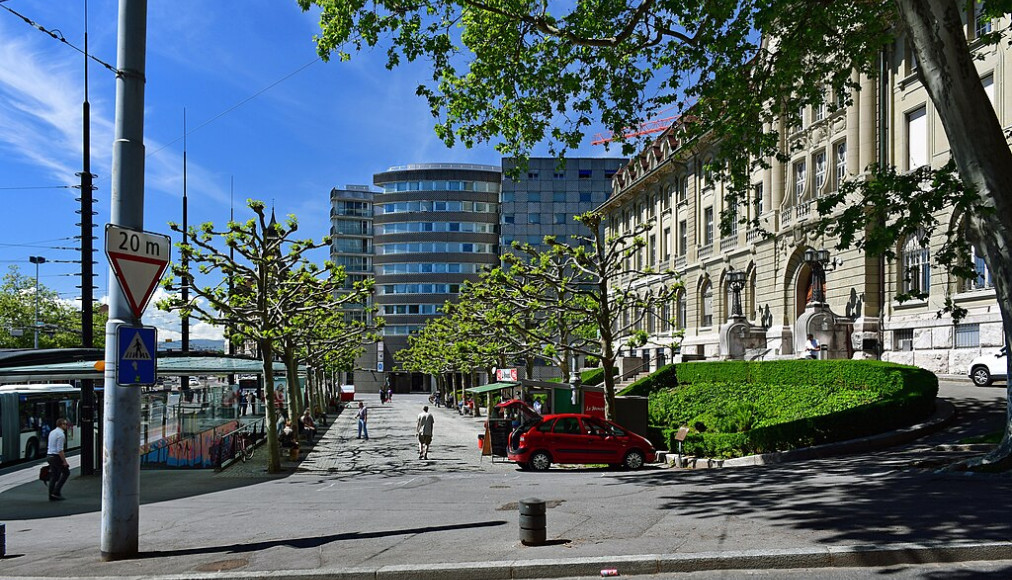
{"x": 169, "y": 324}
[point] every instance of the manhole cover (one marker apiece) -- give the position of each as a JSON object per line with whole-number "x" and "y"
{"x": 222, "y": 565}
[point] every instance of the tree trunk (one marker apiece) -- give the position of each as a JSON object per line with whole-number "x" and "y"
{"x": 271, "y": 413}
{"x": 295, "y": 405}
{"x": 979, "y": 148}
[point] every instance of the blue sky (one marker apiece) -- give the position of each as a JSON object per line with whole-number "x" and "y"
{"x": 320, "y": 126}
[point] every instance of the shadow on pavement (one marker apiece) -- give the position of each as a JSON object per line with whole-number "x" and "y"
{"x": 315, "y": 542}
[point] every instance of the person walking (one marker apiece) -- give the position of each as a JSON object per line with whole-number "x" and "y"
{"x": 363, "y": 420}
{"x": 811, "y": 347}
{"x": 59, "y": 469}
{"x": 424, "y": 429}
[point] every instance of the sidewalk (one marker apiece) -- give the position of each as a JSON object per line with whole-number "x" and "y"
{"x": 370, "y": 509}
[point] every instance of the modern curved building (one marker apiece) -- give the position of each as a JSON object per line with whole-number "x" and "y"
{"x": 435, "y": 226}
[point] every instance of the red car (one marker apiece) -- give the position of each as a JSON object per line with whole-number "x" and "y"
{"x": 577, "y": 438}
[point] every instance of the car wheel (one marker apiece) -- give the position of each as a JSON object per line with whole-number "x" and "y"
{"x": 634, "y": 460}
{"x": 32, "y": 449}
{"x": 540, "y": 461}
{"x": 980, "y": 376}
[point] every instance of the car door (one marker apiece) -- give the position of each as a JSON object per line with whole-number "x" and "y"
{"x": 569, "y": 443}
{"x": 609, "y": 443}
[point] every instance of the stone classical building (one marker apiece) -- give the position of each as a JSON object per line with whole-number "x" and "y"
{"x": 891, "y": 120}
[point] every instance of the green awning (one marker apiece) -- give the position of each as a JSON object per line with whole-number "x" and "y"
{"x": 492, "y": 387}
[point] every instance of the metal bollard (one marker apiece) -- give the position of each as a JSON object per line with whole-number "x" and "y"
{"x": 3, "y": 540}
{"x": 532, "y": 522}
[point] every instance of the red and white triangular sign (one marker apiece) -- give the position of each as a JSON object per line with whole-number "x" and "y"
{"x": 138, "y": 260}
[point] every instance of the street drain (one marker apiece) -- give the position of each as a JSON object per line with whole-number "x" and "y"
{"x": 222, "y": 565}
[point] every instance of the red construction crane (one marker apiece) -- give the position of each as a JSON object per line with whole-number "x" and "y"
{"x": 644, "y": 128}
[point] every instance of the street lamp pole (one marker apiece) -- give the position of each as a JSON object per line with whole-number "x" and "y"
{"x": 36, "y": 260}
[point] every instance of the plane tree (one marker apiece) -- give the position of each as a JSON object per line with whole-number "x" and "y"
{"x": 593, "y": 279}
{"x": 518, "y": 74}
{"x": 253, "y": 306}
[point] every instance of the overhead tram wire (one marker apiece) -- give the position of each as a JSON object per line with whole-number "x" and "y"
{"x": 237, "y": 105}
{"x": 57, "y": 35}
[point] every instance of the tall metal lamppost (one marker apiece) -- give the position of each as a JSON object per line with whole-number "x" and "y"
{"x": 817, "y": 260}
{"x": 36, "y": 260}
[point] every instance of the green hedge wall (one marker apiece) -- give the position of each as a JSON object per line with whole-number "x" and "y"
{"x": 737, "y": 408}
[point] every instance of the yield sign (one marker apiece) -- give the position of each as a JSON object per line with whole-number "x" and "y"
{"x": 138, "y": 260}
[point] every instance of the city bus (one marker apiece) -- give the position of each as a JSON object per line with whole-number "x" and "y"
{"x": 29, "y": 412}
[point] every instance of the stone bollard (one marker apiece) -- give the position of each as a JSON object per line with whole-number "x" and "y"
{"x": 532, "y": 522}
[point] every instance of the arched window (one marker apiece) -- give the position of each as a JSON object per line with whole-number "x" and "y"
{"x": 916, "y": 263}
{"x": 681, "y": 311}
{"x": 706, "y": 305}
{"x": 983, "y": 278}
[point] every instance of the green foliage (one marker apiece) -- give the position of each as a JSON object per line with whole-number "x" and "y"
{"x": 60, "y": 320}
{"x": 737, "y": 408}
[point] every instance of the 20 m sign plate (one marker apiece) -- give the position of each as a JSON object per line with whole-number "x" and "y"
{"x": 138, "y": 260}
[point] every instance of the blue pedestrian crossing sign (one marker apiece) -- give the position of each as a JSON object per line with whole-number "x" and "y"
{"x": 135, "y": 360}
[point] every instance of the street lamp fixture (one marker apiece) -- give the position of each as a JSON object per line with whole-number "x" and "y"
{"x": 819, "y": 262}
{"x": 37, "y": 260}
{"x": 736, "y": 282}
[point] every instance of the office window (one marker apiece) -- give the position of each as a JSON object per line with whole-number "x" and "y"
{"x": 917, "y": 138}
{"x": 533, "y": 196}
{"x": 757, "y": 199}
{"x": 666, "y": 244}
{"x": 732, "y": 210}
{"x": 967, "y": 335}
{"x": 681, "y": 311}
{"x": 534, "y": 218}
{"x": 916, "y": 261}
{"x": 652, "y": 248}
{"x": 841, "y": 163}
{"x": 903, "y": 339}
{"x": 559, "y": 197}
{"x": 559, "y": 175}
{"x": 819, "y": 112}
{"x": 981, "y": 24}
{"x": 706, "y": 295}
{"x": 988, "y": 83}
{"x": 585, "y": 197}
{"x": 983, "y": 278}
{"x": 683, "y": 189}
{"x": 532, "y": 175}
{"x": 586, "y": 174}
{"x": 666, "y": 196}
{"x": 799, "y": 180}
{"x": 820, "y": 172}
{"x": 560, "y": 218}
{"x": 683, "y": 238}
{"x": 708, "y": 226}
{"x": 508, "y": 219}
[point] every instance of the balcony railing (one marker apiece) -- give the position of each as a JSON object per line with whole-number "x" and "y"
{"x": 753, "y": 235}
{"x": 786, "y": 215}
{"x": 804, "y": 209}
{"x": 704, "y": 251}
{"x": 729, "y": 243}
{"x": 679, "y": 263}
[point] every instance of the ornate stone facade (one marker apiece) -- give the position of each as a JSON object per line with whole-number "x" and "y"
{"x": 890, "y": 119}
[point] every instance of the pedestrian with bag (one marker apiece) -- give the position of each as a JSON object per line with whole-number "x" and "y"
{"x": 59, "y": 469}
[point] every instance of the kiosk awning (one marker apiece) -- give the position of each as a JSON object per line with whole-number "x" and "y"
{"x": 491, "y": 387}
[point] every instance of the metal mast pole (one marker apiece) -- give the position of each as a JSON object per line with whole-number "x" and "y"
{"x": 87, "y": 276}
{"x": 121, "y": 442}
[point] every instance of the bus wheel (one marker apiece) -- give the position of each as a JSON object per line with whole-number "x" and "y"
{"x": 32, "y": 448}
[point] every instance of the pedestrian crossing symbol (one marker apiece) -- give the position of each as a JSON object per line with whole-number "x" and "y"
{"x": 135, "y": 346}
{"x": 137, "y": 350}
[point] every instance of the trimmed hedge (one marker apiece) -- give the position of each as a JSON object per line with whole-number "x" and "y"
{"x": 737, "y": 408}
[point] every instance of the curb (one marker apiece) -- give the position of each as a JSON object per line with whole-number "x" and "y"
{"x": 831, "y": 557}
